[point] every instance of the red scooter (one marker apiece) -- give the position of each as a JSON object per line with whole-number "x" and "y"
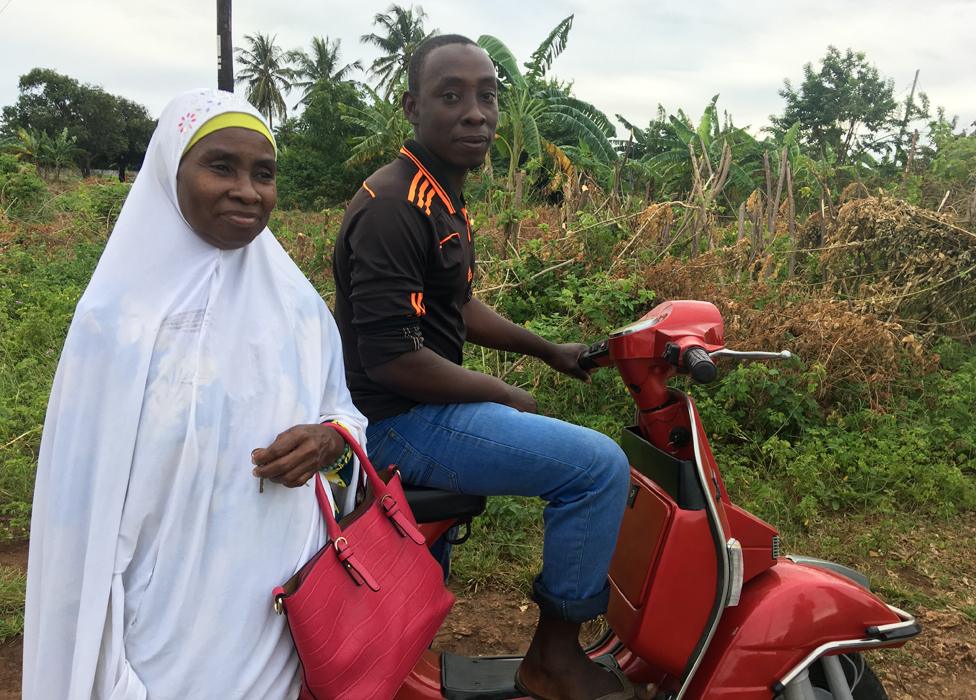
{"x": 702, "y": 602}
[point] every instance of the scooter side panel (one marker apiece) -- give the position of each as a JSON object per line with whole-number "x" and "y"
{"x": 784, "y": 614}
{"x": 665, "y": 624}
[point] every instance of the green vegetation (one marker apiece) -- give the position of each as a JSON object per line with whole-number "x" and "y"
{"x": 847, "y": 237}
{"x": 12, "y": 583}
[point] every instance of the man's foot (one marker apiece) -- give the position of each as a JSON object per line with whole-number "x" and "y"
{"x": 556, "y": 668}
{"x": 623, "y": 689}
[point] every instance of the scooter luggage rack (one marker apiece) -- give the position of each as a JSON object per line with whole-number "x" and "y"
{"x": 879, "y": 636}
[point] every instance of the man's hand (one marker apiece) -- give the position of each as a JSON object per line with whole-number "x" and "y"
{"x": 565, "y": 358}
{"x": 296, "y": 454}
{"x": 521, "y": 400}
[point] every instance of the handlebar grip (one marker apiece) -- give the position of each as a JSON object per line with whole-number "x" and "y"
{"x": 588, "y": 359}
{"x": 586, "y": 362}
{"x": 700, "y": 365}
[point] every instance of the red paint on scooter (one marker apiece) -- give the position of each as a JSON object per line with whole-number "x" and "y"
{"x": 783, "y": 615}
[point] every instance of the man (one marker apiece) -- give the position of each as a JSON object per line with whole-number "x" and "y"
{"x": 403, "y": 266}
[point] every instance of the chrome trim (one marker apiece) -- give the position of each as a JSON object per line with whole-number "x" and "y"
{"x": 750, "y": 355}
{"x": 907, "y": 620}
{"x": 723, "y": 568}
{"x": 837, "y": 682}
{"x": 635, "y": 327}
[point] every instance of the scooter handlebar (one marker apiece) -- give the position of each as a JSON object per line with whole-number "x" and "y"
{"x": 751, "y": 355}
{"x": 699, "y": 365}
{"x": 589, "y": 358}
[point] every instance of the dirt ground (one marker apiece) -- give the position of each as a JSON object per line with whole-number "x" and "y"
{"x": 940, "y": 665}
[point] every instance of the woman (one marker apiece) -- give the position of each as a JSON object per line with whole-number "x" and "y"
{"x": 155, "y": 539}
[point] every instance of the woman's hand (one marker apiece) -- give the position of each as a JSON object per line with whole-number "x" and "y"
{"x": 296, "y": 454}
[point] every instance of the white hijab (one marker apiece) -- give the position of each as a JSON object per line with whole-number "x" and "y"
{"x": 152, "y": 554}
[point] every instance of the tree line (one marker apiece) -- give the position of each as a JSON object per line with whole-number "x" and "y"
{"x": 336, "y": 120}
{"x": 58, "y": 122}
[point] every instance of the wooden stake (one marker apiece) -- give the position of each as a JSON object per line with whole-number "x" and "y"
{"x": 911, "y": 153}
{"x": 757, "y": 237}
{"x": 791, "y": 218}
{"x": 774, "y": 210}
{"x": 769, "y": 178}
{"x": 942, "y": 203}
{"x": 823, "y": 222}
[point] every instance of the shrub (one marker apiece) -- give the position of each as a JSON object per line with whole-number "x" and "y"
{"x": 22, "y": 194}
{"x": 8, "y": 164}
{"x": 107, "y": 200}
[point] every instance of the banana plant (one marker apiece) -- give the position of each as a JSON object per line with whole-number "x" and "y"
{"x": 59, "y": 151}
{"x": 665, "y": 150}
{"x": 383, "y": 128}
{"x": 538, "y": 116}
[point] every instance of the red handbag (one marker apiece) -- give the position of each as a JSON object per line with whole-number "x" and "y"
{"x": 366, "y": 606}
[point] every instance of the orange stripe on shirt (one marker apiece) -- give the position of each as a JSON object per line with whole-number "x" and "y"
{"x": 366, "y": 187}
{"x": 417, "y": 302}
{"x": 467, "y": 222}
{"x": 423, "y": 190}
{"x": 437, "y": 187}
{"x": 445, "y": 239}
{"x": 430, "y": 198}
{"x": 413, "y": 186}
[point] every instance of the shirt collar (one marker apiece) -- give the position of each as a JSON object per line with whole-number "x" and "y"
{"x": 435, "y": 168}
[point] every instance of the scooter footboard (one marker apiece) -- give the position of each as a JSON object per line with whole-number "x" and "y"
{"x": 788, "y": 617}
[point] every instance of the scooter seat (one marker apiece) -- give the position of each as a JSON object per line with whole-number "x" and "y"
{"x": 433, "y": 505}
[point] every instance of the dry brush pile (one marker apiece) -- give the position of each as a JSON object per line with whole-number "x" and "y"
{"x": 904, "y": 264}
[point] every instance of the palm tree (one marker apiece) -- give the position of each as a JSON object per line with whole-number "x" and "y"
{"x": 535, "y": 113}
{"x": 403, "y": 31}
{"x": 322, "y": 65}
{"x": 266, "y": 72}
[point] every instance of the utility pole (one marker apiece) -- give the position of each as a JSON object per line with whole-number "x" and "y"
{"x": 225, "y": 47}
{"x": 904, "y": 122}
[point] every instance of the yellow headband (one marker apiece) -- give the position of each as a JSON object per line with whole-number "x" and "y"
{"x": 229, "y": 119}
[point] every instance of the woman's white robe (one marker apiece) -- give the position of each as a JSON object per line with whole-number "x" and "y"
{"x": 152, "y": 553}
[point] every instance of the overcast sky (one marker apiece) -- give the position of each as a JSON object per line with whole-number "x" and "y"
{"x": 625, "y": 56}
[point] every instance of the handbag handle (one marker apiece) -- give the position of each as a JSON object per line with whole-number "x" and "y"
{"x": 382, "y": 494}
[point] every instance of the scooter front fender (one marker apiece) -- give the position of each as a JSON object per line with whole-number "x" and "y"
{"x": 784, "y": 616}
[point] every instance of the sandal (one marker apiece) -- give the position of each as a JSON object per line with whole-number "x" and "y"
{"x": 628, "y": 691}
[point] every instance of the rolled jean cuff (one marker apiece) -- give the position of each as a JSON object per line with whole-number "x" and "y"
{"x": 578, "y": 611}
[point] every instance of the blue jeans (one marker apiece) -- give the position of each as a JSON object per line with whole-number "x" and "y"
{"x": 490, "y": 449}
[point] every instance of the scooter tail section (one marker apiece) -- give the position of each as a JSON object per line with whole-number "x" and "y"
{"x": 787, "y": 618}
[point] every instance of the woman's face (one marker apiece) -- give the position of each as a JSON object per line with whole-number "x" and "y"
{"x": 226, "y": 188}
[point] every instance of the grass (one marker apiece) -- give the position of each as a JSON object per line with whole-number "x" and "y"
{"x": 12, "y": 583}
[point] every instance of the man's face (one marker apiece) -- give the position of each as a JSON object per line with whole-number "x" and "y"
{"x": 225, "y": 186}
{"x": 455, "y": 112}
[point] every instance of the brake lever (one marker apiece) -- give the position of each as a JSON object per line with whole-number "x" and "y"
{"x": 754, "y": 355}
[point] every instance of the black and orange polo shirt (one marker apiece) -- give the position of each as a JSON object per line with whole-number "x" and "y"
{"x": 403, "y": 266}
